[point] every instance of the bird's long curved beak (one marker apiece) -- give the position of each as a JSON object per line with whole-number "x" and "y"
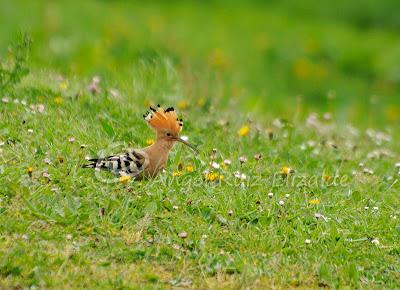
{"x": 187, "y": 144}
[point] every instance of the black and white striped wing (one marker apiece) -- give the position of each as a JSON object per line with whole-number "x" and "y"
{"x": 130, "y": 163}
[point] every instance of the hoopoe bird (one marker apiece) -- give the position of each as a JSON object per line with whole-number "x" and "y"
{"x": 149, "y": 161}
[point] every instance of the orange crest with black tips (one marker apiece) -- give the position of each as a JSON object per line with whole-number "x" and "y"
{"x": 163, "y": 120}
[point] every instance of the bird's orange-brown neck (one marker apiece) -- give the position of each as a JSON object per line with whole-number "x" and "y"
{"x": 158, "y": 155}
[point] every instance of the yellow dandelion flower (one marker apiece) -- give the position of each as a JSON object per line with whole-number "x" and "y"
{"x": 183, "y": 105}
{"x": 211, "y": 176}
{"x": 177, "y": 173}
{"x": 326, "y": 178}
{"x": 29, "y": 170}
{"x": 125, "y": 179}
{"x": 244, "y": 131}
{"x": 302, "y": 68}
{"x": 58, "y": 100}
{"x": 189, "y": 168}
{"x": 150, "y": 141}
{"x": 63, "y": 85}
{"x": 314, "y": 201}
{"x": 218, "y": 59}
{"x": 201, "y": 102}
{"x": 286, "y": 170}
{"x": 393, "y": 113}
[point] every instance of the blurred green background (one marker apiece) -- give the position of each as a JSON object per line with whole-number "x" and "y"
{"x": 273, "y": 57}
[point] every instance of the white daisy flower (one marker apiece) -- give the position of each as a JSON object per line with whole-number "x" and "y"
{"x": 375, "y": 242}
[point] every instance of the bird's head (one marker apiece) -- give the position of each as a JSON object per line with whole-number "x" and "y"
{"x": 166, "y": 125}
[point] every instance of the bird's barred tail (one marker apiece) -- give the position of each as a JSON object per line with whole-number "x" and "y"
{"x": 129, "y": 163}
{"x": 93, "y": 163}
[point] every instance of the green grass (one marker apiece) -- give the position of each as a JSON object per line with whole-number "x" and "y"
{"x": 225, "y": 67}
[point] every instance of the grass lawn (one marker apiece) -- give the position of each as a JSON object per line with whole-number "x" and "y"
{"x": 316, "y": 93}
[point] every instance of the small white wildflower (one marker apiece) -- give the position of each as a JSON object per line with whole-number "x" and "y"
{"x": 392, "y": 216}
{"x": 257, "y": 156}
{"x": 94, "y": 85}
{"x": 307, "y": 241}
{"x": 185, "y": 138}
{"x": 23, "y": 102}
{"x": 287, "y": 195}
{"x": 328, "y": 116}
{"x": 215, "y": 165}
{"x": 25, "y": 237}
{"x": 40, "y": 108}
{"x": 230, "y": 212}
{"x": 318, "y": 215}
{"x": 16, "y": 101}
{"x": 96, "y": 79}
{"x": 242, "y": 159}
{"x": 2, "y": 143}
{"x": 175, "y": 207}
{"x": 366, "y": 207}
{"x": 30, "y": 131}
{"x": 277, "y": 123}
{"x": 361, "y": 164}
{"x": 68, "y": 237}
{"x": 270, "y": 195}
{"x": 375, "y": 242}
{"x": 239, "y": 175}
{"x": 46, "y": 175}
{"x": 353, "y": 172}
{"x": 397, "y": 165}
{"x": 183, "y": 235}
{"x": 47, "y": 161}
{"x": 5, "y": 100}
{"x": 368, "y": 171}
{"x": 375, "y": 208}
{"x": 281, "y": 202}
{"x": 227, "y": 162}
{"x": 114, "y": 92}
{"x": 71, "y": 139}
{"x": 87, "y": 158}
{"x": 311, "y": 143}
{"x": 204, "y": 236}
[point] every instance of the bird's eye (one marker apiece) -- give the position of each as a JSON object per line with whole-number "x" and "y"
{"x": 169, "y": 134}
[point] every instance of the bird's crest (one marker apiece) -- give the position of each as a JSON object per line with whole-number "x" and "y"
{"x": 160, "y": 119}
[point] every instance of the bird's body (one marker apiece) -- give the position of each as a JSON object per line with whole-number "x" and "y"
{"x": 149, "y": 161}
